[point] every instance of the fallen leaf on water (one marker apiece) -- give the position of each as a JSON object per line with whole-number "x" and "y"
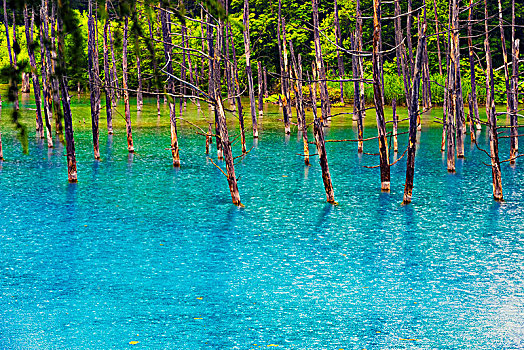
{"x": 200, "y": 298}
{"x": 271, "y": 345}
{"x": 133, "y": 342}
{"x": 283, "y": 176}
{"x": 198, "y": 318}
{"x": 409, "y": 339}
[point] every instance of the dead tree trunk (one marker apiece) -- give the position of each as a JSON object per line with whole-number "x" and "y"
{"x": 301, "y": 112}
{"x": 283, "y": 69}
{"x": 438, "y": 37}
{"x": 401, "y": 52}
{"x": 266, "y": 93}
{"x": 34, "y": 76}
{"x": 320, "y": 142}
{"x": 456, "y": 94}
{"x": 321, "y": 71}
{"x": 395, "y": 125}
{"x": 514, "y": 88}
{"x": 108, "y": 84}
{"x": 183, "y": 72}
{"x": 340, "y": 61}
{"x": 474, "y": 101}
{"x": 492, "y": 116}
{"x": 413, "y": 112}
{"x": 45, "y": 81}
{"x": 260, "y": 90}
{"x": 139, "y": 96}
{"x": 236, "y": 92}
{"x": 248, "y": 69}
{"x": 408, "y": 37}
{"x": 94, "y": 85}
{"x": 155, "y": 69}
{"x": 357, "y": 103}
{"x": 129, "y": 133}
{"x": 166, "y": 35}
{"x": 471, "y": 118}
{"x": 379, "y": 98}
{"x": 113, "y": 67}
{"x": 52, "y": 51}
{"x": 68, "y": 117}
{"x": 6, "y": 23}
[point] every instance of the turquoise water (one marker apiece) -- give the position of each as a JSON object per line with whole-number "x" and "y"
{"x": 140, "y": 252}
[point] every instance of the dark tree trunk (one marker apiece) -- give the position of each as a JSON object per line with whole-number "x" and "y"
{"x": 166, "y": 35}
{"x": 68, "y": 117}
{"x": 413, "y": 112}
{"x": 54, "y": 81}
{"x": 266, "y": 93}
{"x": 401, "y": 52}
{"x": 471, "y": 118}
{"x": 129, "y": 133}
{"x": 107, "y": 77}
{"x": 6, "y": 23}
{"x": 379, "y": 98}
{"x": 395, "y": 125}
{"x": 94, "y": 85}
{"x": 34, "y": 76}
{"x": 320, "y": 142}
{"x": 248, "y": 69}
{"x": 408, "y": 37}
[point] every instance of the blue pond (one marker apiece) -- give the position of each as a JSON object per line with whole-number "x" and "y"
{"x": 139, "y": 255}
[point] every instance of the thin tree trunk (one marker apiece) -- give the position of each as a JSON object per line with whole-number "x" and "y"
{"x": 155, "y": 68}
{"x": 413, "y": 112}
{"x": 379, "y": 98}
{"x": 324, "y": 96}
{"x": 360, "y": 60}
{"x": 183, "y": 73}
{"x": 395, "y": 125}
{"x": 94, "y": 86}
{"x": 471, "y": 118}
{"x": 401, "y": 53}
{"x": 54, "y": 81}
{"x": 129, "y": 132}
{"x": 45, "y": 81}
{"x": 266, "y": 93}
{"x": 357, "y": 111}
{"x": 68, "y": 117}
{"x": 438, "y": 36}
{"x": 115, "y": 75}
{"x": 248, "y": 69}
{"x": 408, "y": 38}
{"x": 107, "y": 77}
{"x": 166, "y": 34}
{"x": 236, "y": 92}
{"x": 260, "y": 90}
{"x": 514, "y": 88}
{"x": 474, "y": 101}
{"x": 340, "y": 61}
{"x": 34, "y": 76}
{"x": 320, "y": 142}
{"x": 6, "y": 23}
{"x": 301, "y": 112}
{"x": 139, "y": 95}
{"x": 283, "y": 68}
{"x": 457, "y": 86}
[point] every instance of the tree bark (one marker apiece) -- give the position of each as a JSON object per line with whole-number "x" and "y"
{"x": 34, "y": 76}
{"x": 357, "y": 103}
{"x": 474, "y": 101}
{"x": 236, "y": 92}
{"x": 94, "y": 84}
{"x": 395, "y": 125}
{"x": 283, "y": 81}
{"x": 413, "y": 112}
{"x": 166, "y": 34}
{"x": 340, "y": 61}
{"x": 438, "y": 36}
{"x": 129, "y": 132}
{"x": 155, "y": 69}
{"x": 401, "y": 52}
{"x": 379, "y": 98}
{"x": 266, "y": 93}
{"x": 515, "y": 43}
{"x": 109, "y": 91}
{"x": 248, "y": 69}
{"x": 260, "y": 90}
{"x": 301, "y": 112}
{"x": 45, "y": 81}
{"x": 457, "y": 86}
{"x": 321, "y": 72}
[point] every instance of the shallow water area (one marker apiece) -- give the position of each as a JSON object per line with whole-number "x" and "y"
{"x": 140, "y": 255}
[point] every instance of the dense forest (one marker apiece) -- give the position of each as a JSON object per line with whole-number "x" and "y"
{"x": 460, "y": 55}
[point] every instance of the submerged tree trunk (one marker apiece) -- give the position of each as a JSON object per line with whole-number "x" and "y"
{"x": 340, "y": 61}
{"x": 321, "y": 71}
{"x": 34, "y": 76}
{"x": 129, "y": 132}
{"x": 379, "y": 98}
{"x": 320, "y": 142}
{"x": 94, "y": 86}
{"x": 107, "y": 78}
{"x": 68, "y": 117}
{"x": 248, "y": 69}
{"x": 166, "y": 35}
{"x": 413, "y": 112}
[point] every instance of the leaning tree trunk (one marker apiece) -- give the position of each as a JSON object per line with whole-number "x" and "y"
{"x": 166, "y": 34}
{"x": 34, "y": 76}
{"x": 379, "y": 98}
{"x": 413, "y": 112}
{"x": 68, "y": 117}
{"x": 320, "y": 142}
{"x": 107, "y": 79}
{"x": 129, "y": 132}
{"x": 248, "y": 69}
{"x": 94, "y": 85}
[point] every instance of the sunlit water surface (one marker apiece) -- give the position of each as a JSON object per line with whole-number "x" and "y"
{"x": 140, "y": 252}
